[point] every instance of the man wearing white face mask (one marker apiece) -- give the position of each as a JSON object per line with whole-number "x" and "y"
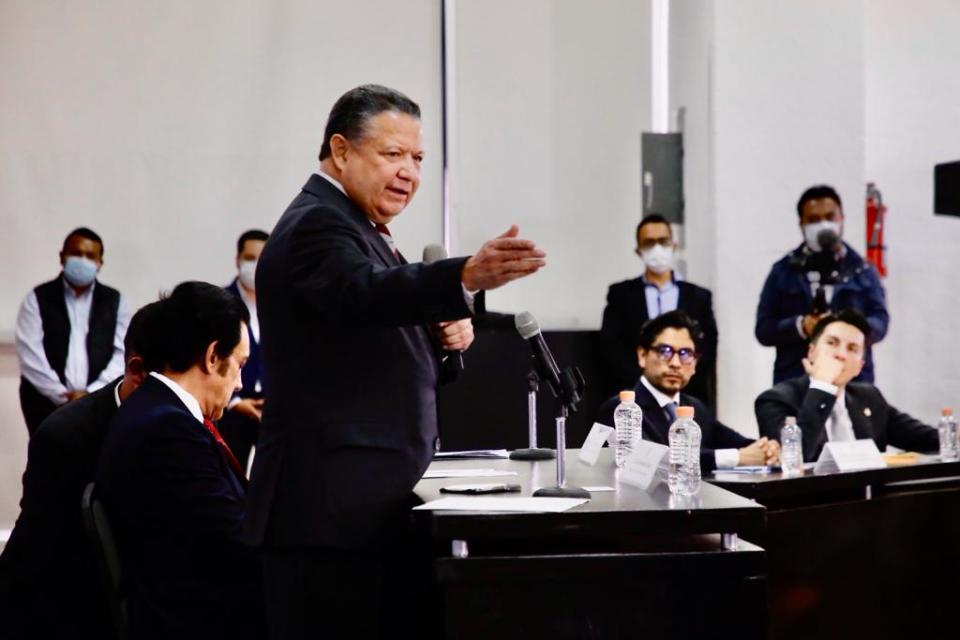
{"x": 240, "y": 424}
{"x": 659, "y": 290}
{"x": 69, "y": 331}
{"x": 813, "y": 280}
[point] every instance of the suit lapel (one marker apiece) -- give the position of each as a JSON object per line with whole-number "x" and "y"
{"x": 860, "y": 416}
{"x": 683, "y": 296}
{"x": 641, "y": 301}
{"x": 654, "y": 421}
{"x": 323, "y": 188}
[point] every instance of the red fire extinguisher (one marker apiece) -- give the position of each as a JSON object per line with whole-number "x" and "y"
{"x": 876, "y": 215}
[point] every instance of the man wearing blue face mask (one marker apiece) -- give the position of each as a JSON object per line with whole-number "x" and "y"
{"x": 823, "y": 274}
{"x": 240, "y": 424}
{"x": 631, "y": 303}
{"x": 69, "y": 331}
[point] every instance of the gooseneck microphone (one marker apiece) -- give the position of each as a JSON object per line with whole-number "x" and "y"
{"x": 567, "y": 386}
{"x": 546, "y": 366}
{"x": 453, "y": 360}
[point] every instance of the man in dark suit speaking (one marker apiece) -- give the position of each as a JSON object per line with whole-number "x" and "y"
{"x": 351, "y": 338}
{"x": 828, "y": 406}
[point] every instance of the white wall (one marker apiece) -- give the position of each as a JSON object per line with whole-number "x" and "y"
{"x": 913, "y": 122}
{"x": 552, "y": 97}
{"x": 787, "y": 104}
{"x": 172, "y": 127}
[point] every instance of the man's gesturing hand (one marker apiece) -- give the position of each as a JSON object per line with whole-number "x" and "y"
{"x": 501, "y": 260}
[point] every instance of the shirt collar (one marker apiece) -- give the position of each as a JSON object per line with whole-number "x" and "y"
{"x": 72, "y": 293}
{"x": 661, "y": 398}
{"x": 116, "y": 392}
{"x": 332, "y": 181}
{"x": 673, "y": 281}
{"x": 191, "y": 403}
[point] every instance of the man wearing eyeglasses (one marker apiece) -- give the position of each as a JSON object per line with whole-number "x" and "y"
{"x": 668, "y": 353}
{"x": 632, "y": 302}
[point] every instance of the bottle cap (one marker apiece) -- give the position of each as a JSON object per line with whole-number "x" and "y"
{"x": 790, "y": 420}
{"x": 946, "y": 411}
{"x": 684, "y": 412}
{"x": 627, "y": 396}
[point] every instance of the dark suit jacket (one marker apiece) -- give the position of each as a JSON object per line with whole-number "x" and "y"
{"x": 177, "y": 510}
{"x": 656, "y": 425}
{"x": 47, "y": 566}
{"x": 252, "y": 370}
{"x": 872, "y": 417}
{"x": 626, "y": 313}
{"x": 350, "y": 416}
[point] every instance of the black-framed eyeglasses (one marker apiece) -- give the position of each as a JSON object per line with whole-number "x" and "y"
{"x": 650, "y": 243}
{"x": 665, "y": 352}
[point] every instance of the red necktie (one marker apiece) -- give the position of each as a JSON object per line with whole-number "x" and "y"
{"x": 231, "y": 459}
{"x": 382, "y": 229}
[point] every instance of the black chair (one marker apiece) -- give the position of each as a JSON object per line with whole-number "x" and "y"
{"x": 100, "y": 534}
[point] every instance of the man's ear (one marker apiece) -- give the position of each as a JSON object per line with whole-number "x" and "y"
{"x": 211, "y": 361}
{"x": 642, "y": 357}
{"x": 339, "y": 148}
{"x": 810, "y": 349}
{"x": 136, "y": 371}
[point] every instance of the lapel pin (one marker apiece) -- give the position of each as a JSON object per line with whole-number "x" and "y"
{"x": 867, "y": 412}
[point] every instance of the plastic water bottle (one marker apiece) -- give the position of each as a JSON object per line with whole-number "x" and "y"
{"x": 628, "y": 419}
{"x": 684, "y": 437}
{"x": 791, "y": 448}
{"x": 948, "y": 436}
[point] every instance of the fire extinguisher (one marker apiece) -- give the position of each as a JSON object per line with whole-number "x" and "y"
{"x": 876, "y": 215}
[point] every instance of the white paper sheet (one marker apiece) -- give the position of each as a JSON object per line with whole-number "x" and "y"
{"x": 466, "y": 473}
{"x": 524, "y": 505}
{"x": 475, "y": 453}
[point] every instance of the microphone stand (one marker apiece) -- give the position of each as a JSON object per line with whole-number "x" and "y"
{"x": 532, "y": 452}
{"x": 572, "y": 384}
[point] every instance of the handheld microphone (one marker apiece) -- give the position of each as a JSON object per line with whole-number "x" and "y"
{"x": 546, "y": 366}
{"x": 454, "y": 359}
{"x": 825, "y": 262}
{"x": 828, "y": 239}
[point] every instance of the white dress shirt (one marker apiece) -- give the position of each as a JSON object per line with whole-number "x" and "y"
{"x": 659, "y": 299}
{"x": 191, "y": 403}
{"x": 839, "y": 426}
{"x": 725, "y": 458}
{"x": 34, "y": 365}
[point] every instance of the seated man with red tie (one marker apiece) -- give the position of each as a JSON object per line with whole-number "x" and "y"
{"x": 173, "y": 490}
{"x": 826, "y": 402}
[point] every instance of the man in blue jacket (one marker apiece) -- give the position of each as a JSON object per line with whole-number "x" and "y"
{"x": 823, "y": 274}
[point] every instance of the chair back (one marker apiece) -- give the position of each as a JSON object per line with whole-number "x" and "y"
{"x": 101, "y": 538}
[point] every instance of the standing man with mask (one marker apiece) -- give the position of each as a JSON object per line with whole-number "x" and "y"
{"x": 240, "y": 424}
{"x": 823, "y": 274}
{"x": 69, "y": 331}
{"x": 631, "y": 303}
{"x": 351, "y": 351}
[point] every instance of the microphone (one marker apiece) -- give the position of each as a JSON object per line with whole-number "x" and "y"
{"x": 454, "y": 359}
{"x": 825, "y": 262}
{"x": 828, "y": 239}
{"x": 546, "y": 366}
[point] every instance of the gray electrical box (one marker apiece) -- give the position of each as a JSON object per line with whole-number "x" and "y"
{"x": 661, "y": 175}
